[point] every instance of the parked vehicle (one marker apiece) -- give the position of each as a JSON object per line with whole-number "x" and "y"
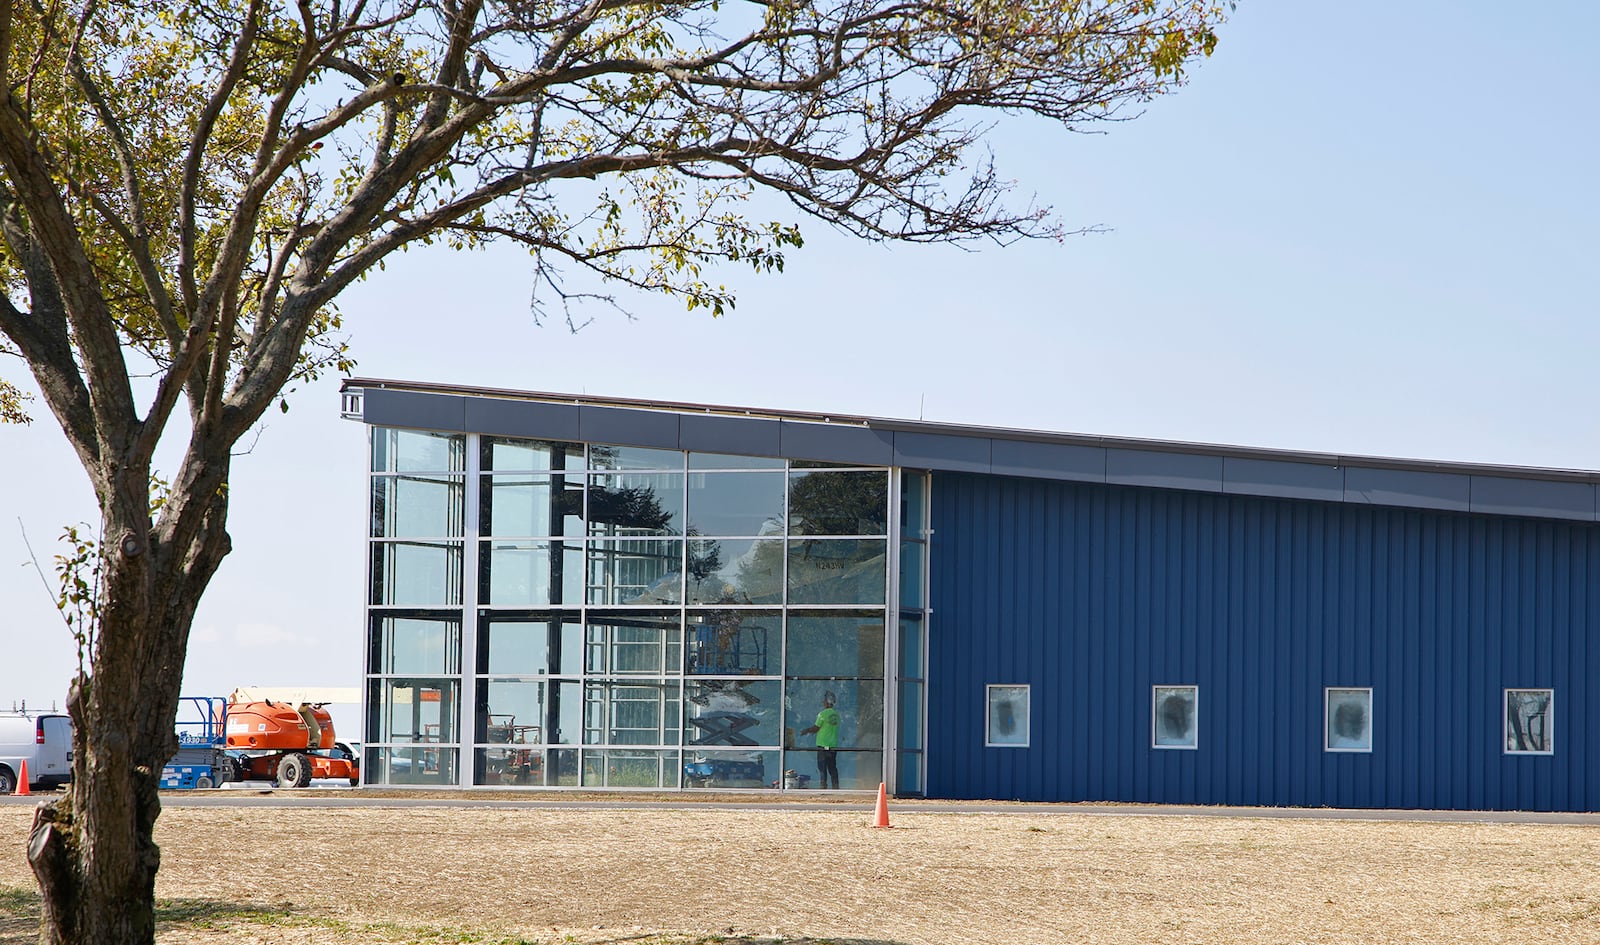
{"x": 224, "y": 740}
{"x": 44, "y": 741}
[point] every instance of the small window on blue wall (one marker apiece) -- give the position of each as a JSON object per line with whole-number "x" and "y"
{"x": 1348, "y": 715}
{"x": 1530, "y": 721}
{"x": 1175, "y": 722}
{"x": 1008, "y": 717}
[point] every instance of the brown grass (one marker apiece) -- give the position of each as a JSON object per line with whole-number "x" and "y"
{"x": 237, "y": 875}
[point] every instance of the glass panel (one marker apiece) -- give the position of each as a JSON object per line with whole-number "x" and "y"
{"x": 633, "y": 457}
{"x": 509, "y": 765}
{"x": 634, "y": 644}
{"x": 632, "y": 712}
{"x": 859, "y": 703}
{"x": 730, "y": 769}
{"x": 733, "y": 642}
{"x": 911, "y": 575}
{"x": 531, "y": 506}
{"x": 415, "y": 646}
{"x": 838, "y": 503}
{"x": 910, "y": 715}
{"x": 1529, "y": 720}
{"x": 733, "y": 713}
{"x": 1349, "y": 720}
{"x": 417, "y": 506}
{"x": 838, "y": 571}
{"x": 530, "y": 573}
{"x": 910, "y": 773}
{"x": 1176, "y": 716}
{"x": 855, "y": 770}
{"x": 630, "y": 768}
{"x": 512, "y": 711}
{"x": 561, "y": 767}
{"x": 531, "y": 646}
{"x": 1008, "y": 716}
{"x": 911, "y": 640}
{"x": 636, "y": 504}
{"x": 417, "y": 451}
{"x": 836, "y": 643}
{"x": 635, "y": 572}
{"x": 913, "y": 495}
{"x": 417, "y": 710}
{"x": 416, "y": 573}
{"x": 415, "y": 765}
{"x": 728, "y": 461}
{"x": 736, "y": 503}
{"x": 735, "y": 570}
{"x": 506, "y": 454}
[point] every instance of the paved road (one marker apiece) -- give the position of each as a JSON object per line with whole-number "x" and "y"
{"x": 335, "y": 798}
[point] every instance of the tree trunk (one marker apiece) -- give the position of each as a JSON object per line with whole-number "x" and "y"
{"x": 93, "y": 852}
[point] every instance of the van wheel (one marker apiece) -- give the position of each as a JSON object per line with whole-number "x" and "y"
{"x": 8, "y": 781}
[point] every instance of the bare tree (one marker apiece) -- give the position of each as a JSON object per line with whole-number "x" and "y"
{"x": 189, "y": 184}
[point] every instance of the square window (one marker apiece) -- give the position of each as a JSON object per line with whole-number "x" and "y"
{"x": 1008, "y": 717}
{"x": 1530, "y": 721}
{"x": 1175, "y": 719}
{"x": 1347, "y": 720}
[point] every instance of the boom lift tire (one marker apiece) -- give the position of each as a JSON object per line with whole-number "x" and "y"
{"x": 294, "y": 770}
{"x": 203, "y": 783}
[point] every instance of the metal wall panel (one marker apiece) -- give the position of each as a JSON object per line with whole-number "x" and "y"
{"x": 517, "y": 418}
{"x": 648, "y": 428}
{"x": 1092, "y": 594}
{"x": 836, "y": 443}
{"x": 1048, "y": 460}
{"x": 404, "y": 408}
{"x": 1503, "y": 496}
{"x": 1166, "y": 470}
{"x": 953, "y": 453}
{"x": 748, "y": 436}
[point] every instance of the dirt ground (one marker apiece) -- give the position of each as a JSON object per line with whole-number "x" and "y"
{"x": 546, "y": 875}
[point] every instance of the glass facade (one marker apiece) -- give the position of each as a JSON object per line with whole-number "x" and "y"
{"x": 562, "y": 614}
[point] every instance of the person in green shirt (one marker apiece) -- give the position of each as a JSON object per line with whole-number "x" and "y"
{"x": 827, "y": 729}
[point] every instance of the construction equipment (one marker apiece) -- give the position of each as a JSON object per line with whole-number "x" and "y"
{"x": 241, "y": 739}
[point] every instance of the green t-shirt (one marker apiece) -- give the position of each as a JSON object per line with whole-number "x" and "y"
{"x": 828, "y": 728}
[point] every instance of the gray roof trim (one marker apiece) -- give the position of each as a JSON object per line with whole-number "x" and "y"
{"x": 1206, "y": 467}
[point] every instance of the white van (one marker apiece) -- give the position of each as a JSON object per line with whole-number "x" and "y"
{"x": 44, "y": 740}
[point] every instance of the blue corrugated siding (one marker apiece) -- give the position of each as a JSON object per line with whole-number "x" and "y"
{"x": 1093, "y": 594}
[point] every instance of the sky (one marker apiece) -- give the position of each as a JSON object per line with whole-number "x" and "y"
{"x": 1364, "y": 228}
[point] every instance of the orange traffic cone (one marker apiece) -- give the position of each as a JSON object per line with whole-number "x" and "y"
{"x": 22, "y": 780}
{"x": 882, "y": 819}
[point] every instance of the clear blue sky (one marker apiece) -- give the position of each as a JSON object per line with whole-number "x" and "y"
{"x": 1362, "y": 228}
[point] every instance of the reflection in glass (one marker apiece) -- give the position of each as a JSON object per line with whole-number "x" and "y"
{"x": 531, "y": 506}
{"x": 910, "y": 773}
{"x": 728, "y": 461}
{"x": 736, "y": 503}
{"x": 858, "y": 701}
{"x": 733, "y": 642}
{"x": 1349, "y": 720}
{"x": 913, "y": 498}
{"x": 530, "y": 573}
{"x": 534, "y": 645}
{"x": 835, "y": 643}
{"x": 415, "y": 646}
{"x": 730, "y": 769}
{"x": 858, "y": 770}
{"x": 837, "y": 571}
{"x": 911, "y": 642}
{"x": 504, "y": 454}
{"x": 735, "y": 570}
{"x": 636, "y": 504}
{"x": 636, "y": 712}
{"x": 733, "y": 713}
{"x": 417, "y": 451}
{"x": 633, "y": 457}
{"x": 417, "y": 506}
{"x": 1176, "y": 716}
{"x": 911, "y": 575}
{"x": 416, "y": 573}
{"x": 1009, "y": 718}
{"x": 635, "y": 572}
{"x": 630, "y": 768}
{"x": 414, "y": 710}
{"x": 410, "y": 765}
{"x": 634, "y": 644}
{"x": 1528, "y": 720}
{"x": 910, "y": 715}
{"x": 838, "y": 503}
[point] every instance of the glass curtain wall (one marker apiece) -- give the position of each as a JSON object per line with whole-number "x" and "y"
{"x": 649, "y": 618}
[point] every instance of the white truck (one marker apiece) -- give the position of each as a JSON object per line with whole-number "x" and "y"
{"x": 44, "y": 741}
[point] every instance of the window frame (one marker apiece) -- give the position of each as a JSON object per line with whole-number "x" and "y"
{"x": 1027, "y": 715}
{"x": 1327, "y": 720}
{"x": 1505, "y": 721}
{"x": 1155, "y": 708}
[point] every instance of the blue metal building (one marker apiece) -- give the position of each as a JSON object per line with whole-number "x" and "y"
{"x": 1033, "y": 615}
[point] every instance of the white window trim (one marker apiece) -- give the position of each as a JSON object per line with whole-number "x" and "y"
{"x": 988, "y": 701}
{"x": 1327, "y": 704}
{"x": 1505, "y": 720}
{"x": 1154, "y": 709}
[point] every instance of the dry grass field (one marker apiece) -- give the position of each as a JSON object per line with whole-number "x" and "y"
{"x": 537, "y": 874}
